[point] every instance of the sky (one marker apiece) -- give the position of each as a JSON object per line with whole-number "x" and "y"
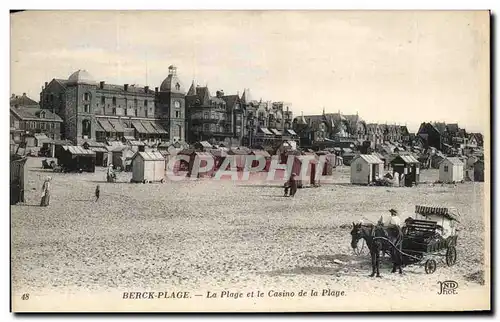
{"x": 389, "y": 67}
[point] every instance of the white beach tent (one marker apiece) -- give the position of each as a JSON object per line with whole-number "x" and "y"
{"x": 451, "y": 170}
{"x": 148, "y": 166}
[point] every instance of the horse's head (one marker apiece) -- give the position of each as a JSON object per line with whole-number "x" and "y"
{"x": 356, "y": 234}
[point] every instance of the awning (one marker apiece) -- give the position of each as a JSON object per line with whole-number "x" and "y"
{"x": 149, "y": 127}
{"x": 99, "y": 149}
{"x": 158, "y": 127}
{"x": 41, "y": 137}
{"x": 98, "y": 127}
{"x": 106, "y": 125}
{"x": 78, "y": 150}
{"x": 265, "y": 131}
{"x": 275, "y": 131}
{"x": 129, "y": 138}
{"x": 138, "y": 126}
{"x": 136, "y": 143}
{"x": 117, "y": 125}
{"x": 292, "y": 132}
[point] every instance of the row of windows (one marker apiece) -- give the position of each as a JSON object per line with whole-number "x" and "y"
{"x": 40, "y": 125}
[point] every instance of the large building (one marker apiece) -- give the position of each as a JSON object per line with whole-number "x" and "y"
{"x": 29, "y": 122}
{"x": 93, "y": 110}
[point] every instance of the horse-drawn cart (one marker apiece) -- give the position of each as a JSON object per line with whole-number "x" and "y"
{"x": 431, "y": 235}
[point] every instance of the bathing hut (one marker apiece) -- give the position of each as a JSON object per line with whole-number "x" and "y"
{"x": 203, "y": 146}
{"x": 479, "y": 171}
{"x": 219, "y": 156}
{"x": 366, "y": 168}
{"x": 261, "y": 157}
{"x": 102, "y": 155}
{"x": 122, "y": 157}
{"x": 76, "y": 158}
{"x": 451, "y": 170}
{"x": 201, "y": 160}
{"x": 239, "y": 156}
{"x": 17, "y": 178}
{"x": 148, "y": 167}
{"x": 408, "y": 166}
{"x": 329, "y": 162}
{"x": 309, "y": 164}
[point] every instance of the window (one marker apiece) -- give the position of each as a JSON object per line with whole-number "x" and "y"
{"x": 86, "y": 108}
{"x": 177, "y": 86}
{"x": 206, "y": 115}
{"x": 145, "y": 103}
{"x": 212, "y": 127}
{"x": 238, "y": 129}
{"x": 51, "y": 98}
{"x": 51, "y": 125}
{"x": 445, "y": 168}
{"x": 176, "y": 114}
{"x": 114, "y": 101}
{"x": 42, "y": 114}
{"x": 135, "y": 112}
{"x": 238, "y": 117}
{"x": 126, "y": 111}
{"x": 86, "y": 128}
{"x": 359, "y": 167}
{"x": 114, "y": 111}
{"x": 42, "y": 125}
{"x": 135, "y": 102}
{"x": 146, "y": 112}
{"x": 86, "y": 96}
{"x": 103, "y": 100}
{"x": 206, "y": 127}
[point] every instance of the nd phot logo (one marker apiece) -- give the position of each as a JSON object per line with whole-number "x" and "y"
{"x": 448, "y": 287}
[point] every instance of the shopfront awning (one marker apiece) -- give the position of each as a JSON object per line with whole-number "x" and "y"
{"x": 149, "y": 127}
{"x": 117, "y": 125}
{"x": 98, "y": 127}
{"x": 158, "y": 127}
{"x": 106, "y": 125}
{"x": 292, "y": 132}
{"x": 265, "y": 131}
{"x": 276, "y": 132}
{"x": 139, "y": 128}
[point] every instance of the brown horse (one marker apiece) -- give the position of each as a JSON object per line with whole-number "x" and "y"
{"x": 378, "y": 238}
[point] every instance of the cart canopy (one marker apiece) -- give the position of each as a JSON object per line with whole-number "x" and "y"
{"x": 450, "y": 213}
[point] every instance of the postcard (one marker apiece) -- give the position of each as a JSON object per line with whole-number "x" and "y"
{"x": 250, "y": 161}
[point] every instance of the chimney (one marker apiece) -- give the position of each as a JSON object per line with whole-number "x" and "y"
{"x": 46, "y": 83}
{"x": 13, "y": 96}
{"x": 125, "y": 87}
{"x": 156, "y": 90}
{"x": 24, "y": 94}
{"x": 101, "y": 84}
{"x": 146, "y": 89}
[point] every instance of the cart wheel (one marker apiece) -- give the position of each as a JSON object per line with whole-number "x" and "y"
{"x": 430, "y": 266}
{"x": 451, "y": 256}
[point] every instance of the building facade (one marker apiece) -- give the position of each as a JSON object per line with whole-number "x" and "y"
{"x": 31, "y": 120}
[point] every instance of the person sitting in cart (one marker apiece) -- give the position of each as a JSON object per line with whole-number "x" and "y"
{"x": 393, "y": 221}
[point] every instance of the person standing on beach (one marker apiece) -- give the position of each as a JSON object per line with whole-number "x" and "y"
{"x": 97, "y": 193}
{"x": 45, "y": 193}
{"x": 291, "y": 186}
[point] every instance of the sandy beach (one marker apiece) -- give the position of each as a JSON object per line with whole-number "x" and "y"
{"x": 216, "y": 235}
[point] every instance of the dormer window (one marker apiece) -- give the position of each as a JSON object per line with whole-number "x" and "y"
{"x": 177, "y": 86}
{"x": 42, "y": 114}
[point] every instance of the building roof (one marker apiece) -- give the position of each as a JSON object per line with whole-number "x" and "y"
{"x": 192, "y": 90}
{"x": 407, "y": 158}
{"x": 231, "y": 100}
{"x": 172, "y": 83}
{"x": 35, "y": 114}
{"x": 455, "y": 160}
{"x": 81, "y": 76}
{"x": 78, "y": 150}
{"x": 371, "y": 159}
{"x": 263, "y": 153}
{"x": 205, "y": 144}
{"x": 22, "y": 100}
{"x": 452, "y": 127}
{"x": 133, "y": 88}
{"x": 150, "y": 156}
{"x": 450, "y": 213}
